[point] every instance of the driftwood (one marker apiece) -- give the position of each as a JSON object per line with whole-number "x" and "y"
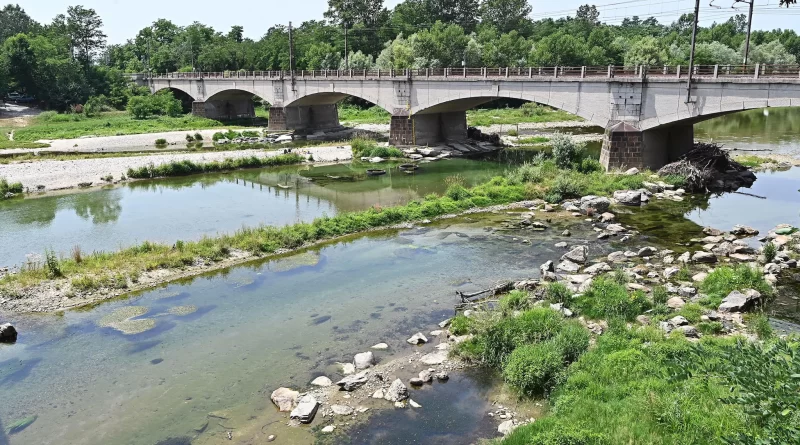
{"x": 750, "y": 194}
{"x": 472, "y": 296}
{"x": 702, "y": 165}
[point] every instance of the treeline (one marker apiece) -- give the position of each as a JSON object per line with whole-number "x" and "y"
{"x": 66, "y": 61}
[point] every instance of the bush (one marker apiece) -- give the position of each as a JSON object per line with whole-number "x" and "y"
{"x": 535, "y": 325}
{"x": 160, "y": 104}
{"x": 198, "y": 137}
{"x": 96, "y": 104}
{"x": 515, "y": 300}
{"x": 607, "y": 299}
{"x": 565, "y": 187}
{"x": 530, "y": 109}
{"x": 51, "y": 264}
{"x": 565, "y": 151}
{"x": 6, "y": 187}
{"x": 557, "y": 292}
{"x": 769, "y": 251}
{"x": 189, "y": 139}
{"x": 532, "y": 369}
{"x": 573, "y": 340}
{"x": 590, "y": 165}
{"x": 460, "y": 325}
{"x": 758, "y": 324}
{"x": 725, "y": 279}
{"x": 217, "y": 136}
{"x": 161, "y": 141}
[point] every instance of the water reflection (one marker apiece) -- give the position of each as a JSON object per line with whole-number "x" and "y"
{"x": 190, "y": 207}
{"x": 771, "y": 129}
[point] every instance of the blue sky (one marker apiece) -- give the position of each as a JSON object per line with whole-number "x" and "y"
{"x": 123, "y": 18}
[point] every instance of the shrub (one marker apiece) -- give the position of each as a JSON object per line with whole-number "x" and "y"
{"x": 515, "y": 300}
{"x": 572, "y": 340}
{"x": 557, "y": 292}
{"x": 460, "y": 325}
{"x": 710, "y": 327}
{"x": 217, "y": 136}
{"x": 96, "y": 104}
{"x": 6, "y": 187}
{"x": 606, "y": 298}
{"x": 725, "y": 279}
{"x": 590, "y": 165}
{"x": 534, "y": 325}
{"x": 513, "y": 132}
{"x": 769, "y": 251}
{"x": 565, "y": 187}
{"x": 361, "y": 145}
{"x": 565, "y": 151}
{"x": 247, "y": 134}
{"x": 527, "y": 172}
{"x": 532, "y": 369}
{"x": 758, "y": 323}
{"x": 189, "y": 138}
{"x": 52, "y": 265}
{"x": 161, "y": 141}
{"x": 165, "y": 104}
{"x": 692, "y": 312}
{"x": 457, "y": 192}
{"x": 77, "y": 254}
{"x": 530, "y": 109}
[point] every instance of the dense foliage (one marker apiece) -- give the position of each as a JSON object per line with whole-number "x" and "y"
{"x": 67, "y": 61}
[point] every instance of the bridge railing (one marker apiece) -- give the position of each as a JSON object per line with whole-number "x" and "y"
{"x": 641, "y": 71}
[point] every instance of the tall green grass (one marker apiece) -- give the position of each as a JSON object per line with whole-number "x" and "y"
{"x": 368, "y": 148}
{"x": 359, "y": 115}
{"x": 182, "y": 168}
{"x": 6, "y": 187}
{"x": 509, "y": 116}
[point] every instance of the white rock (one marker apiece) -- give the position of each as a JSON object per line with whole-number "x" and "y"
{"x": 329, "y": 429}
{"x": 434, "y": 358}
{"x": 364, "y": 360}
{"x": 417, "y": 339}
{"x": 284, "y": 398}
{"x": 306, "y": 409}
{"x": 342, "y": 410}
{"x": 397, "y": 392}
{"x": 322, "y": 381}
{"x": 380, "y": 346}
{"x": 414, "y": 404}
{"x": 379, "y": 394}
{"x": 506, "y": 427}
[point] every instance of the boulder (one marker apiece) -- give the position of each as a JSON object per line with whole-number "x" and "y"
{"x": 647, "y": 251}
{"x": 328, "y": 429}
{"x": 379, "y": 393}
{"x": 354, "y": 381}
{"x": 380, "y": 346}
{"x": 688, "y": 331}
{"x": 413, "y": 404}
{"x": 306, "y": 409}
{"x": 416, "y": 381}
{"x": 607, "y": 217}
{"x": 704, "y": 257}
{"x": 632, "y": 171}
{"x": 577, "y": 255}
{"x": 628, "y": 197}
{"x": 342, "y": 410}
{"x": 8, "y": 334}
{"x": 678, "y": 320}
{"x": 595, "y": 204}
{"x": 417, "y": 339}
{"x": 547, "y": 267}
{"x": 284, "y": 398}
{"x": 675, "y": 303}
{"x": 348, "y": 368}
{"x": 426, "y": 375}
{"x": 434, "y": 358}
{"x": 442, "y": 376}
{"x": 595, "y": 269}
{"x": 670, "y": 272}
{"x": 772, "y": 268}
{"x": 364, "y": 360}
{"x": 685, "y": 258}
{"x": 617, "y": 257}
{"x": 566, "y": 233}
{"x": 506, "y": 427}
{"x": 739, "y": 302}
{"x": 322, "y": 381}
{"x": 397, "y": 392}
{"x": 710, "y": 231}
{"x": 568, "y": 267}
{"x": 740, "y": 230}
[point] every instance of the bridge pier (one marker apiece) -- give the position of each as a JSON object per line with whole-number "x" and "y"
{"x": 428, "y": 129}
{"x": 306, "y": 118}
{"x": 625, "y": 146}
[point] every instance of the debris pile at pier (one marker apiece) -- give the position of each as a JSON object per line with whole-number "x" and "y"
{"x": 707, "y": 167}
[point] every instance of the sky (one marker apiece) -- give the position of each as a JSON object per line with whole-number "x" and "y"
{"x": 124, "y": 18}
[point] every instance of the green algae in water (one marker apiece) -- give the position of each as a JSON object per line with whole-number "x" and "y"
{"x": 21, "y": 424}
{"x": 307, "y": 258}
{"x": 122, "y": 320}
{"x": 242, "y": 281}
{"x": 182, "y": 310}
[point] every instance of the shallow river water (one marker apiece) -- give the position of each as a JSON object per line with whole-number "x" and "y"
{"x": 199, "y": 358}
{"x": 188, "y": 208}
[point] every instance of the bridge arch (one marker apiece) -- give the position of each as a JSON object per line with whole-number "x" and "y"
{"x": 462, "y": 104}
{"x": 334, "y": 97}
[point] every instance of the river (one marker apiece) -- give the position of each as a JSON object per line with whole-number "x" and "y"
{"x": 199, "y": 358}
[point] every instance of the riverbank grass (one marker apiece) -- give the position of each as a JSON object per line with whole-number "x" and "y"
{"x": 527, "y": 113}
{"x": 186, "y": 167}
{"x": 51, "y": 125}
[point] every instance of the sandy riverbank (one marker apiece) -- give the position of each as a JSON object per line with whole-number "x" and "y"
{"x": 55, "y": 175}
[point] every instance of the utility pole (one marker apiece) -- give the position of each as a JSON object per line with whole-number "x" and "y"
{"x": 691, "y": 54}
{"x": 346, "y": 56}
{"x": 291, "y": 55}
{"x": 749, "y": 27}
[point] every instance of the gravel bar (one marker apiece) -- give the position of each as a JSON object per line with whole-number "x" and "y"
{"x": 55, "y": 175}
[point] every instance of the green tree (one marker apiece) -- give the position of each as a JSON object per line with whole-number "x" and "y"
{"x": 85, "y": 30}
{"x": 350, "y": 12}
{"x": 588, "y": 13}
{"x": 397, "y": 54}
{"x": 505, "y": 15}
{"x": 645, "y": 51}
{"x": 22, "y": 63}
{"x": 321, "y": 56}
{"x": 14, "y": 20}
{"x": 358, "y": 61}
{"x": 559, "y": 49}
{"x": 772, "y": 53}
{"x": 441, "y": 45}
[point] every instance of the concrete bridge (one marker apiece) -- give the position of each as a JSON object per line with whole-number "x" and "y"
{"x": 645, "y": 111}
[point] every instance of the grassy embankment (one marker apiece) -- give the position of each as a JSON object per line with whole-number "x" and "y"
{"x": 6, "y": 143}
{"x": 636, "y": 385}
{"x": 542, "y": 179}
{"x": 477, "y": 118}
{"x": 6, "y": 187}
{"x": 50, "y": 125}
{"x": 183, "y": 168}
